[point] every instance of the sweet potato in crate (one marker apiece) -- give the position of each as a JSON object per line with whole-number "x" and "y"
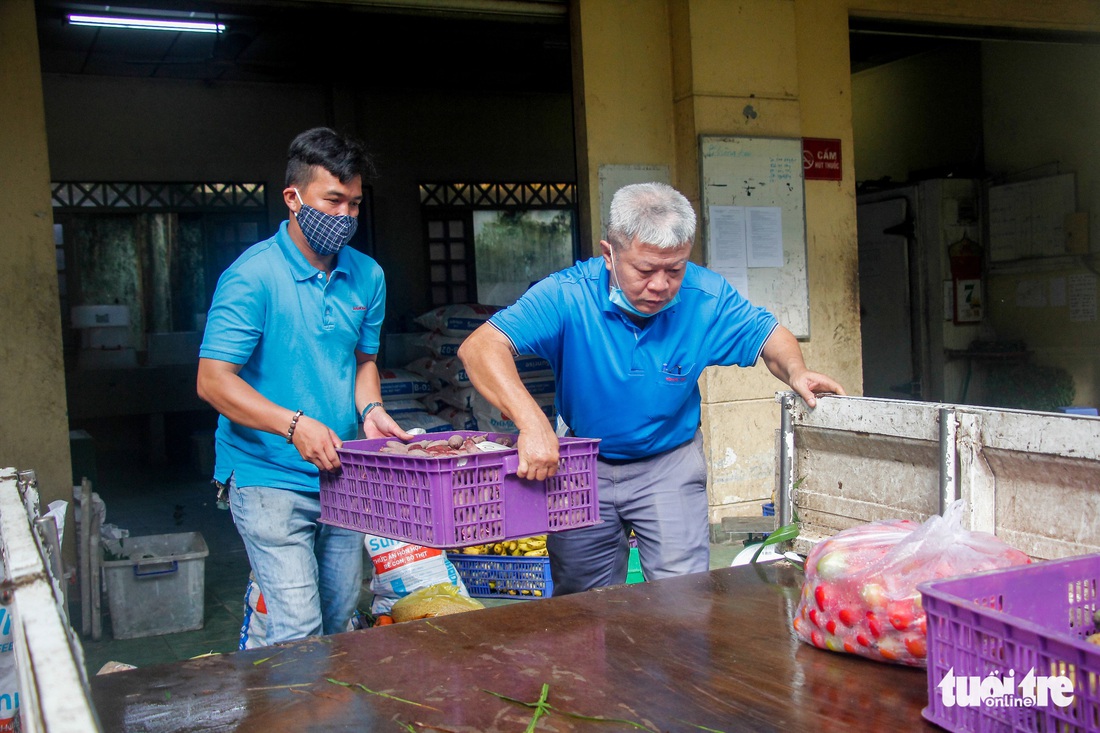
{"x": 457, "y": 501}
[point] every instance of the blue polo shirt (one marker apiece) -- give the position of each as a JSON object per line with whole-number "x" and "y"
{"x": 635, "y": 388}
{"x": 295, "y": 330}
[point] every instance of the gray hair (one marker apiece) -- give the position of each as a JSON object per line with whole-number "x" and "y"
{"x": 654, "y": 213}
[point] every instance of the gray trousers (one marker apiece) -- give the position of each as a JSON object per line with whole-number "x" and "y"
{"x": 663, "y": 499}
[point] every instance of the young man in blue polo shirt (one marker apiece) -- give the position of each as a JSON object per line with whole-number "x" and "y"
{"x": 628, "y": 335}
{"x": 288, "y": 360}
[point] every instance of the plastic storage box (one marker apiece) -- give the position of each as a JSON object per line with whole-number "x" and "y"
{"x": 1009, "y": 624}
{"x": 98, "y": 316}
{"x": 504, "y": 576}
{"x": 458, "y": 501}
{"x": 155, "y": 584}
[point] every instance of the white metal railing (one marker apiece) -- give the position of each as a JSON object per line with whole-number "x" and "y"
{"x": 54, "y": 693}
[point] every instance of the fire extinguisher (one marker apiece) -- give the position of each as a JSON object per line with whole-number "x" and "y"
{"x": 966, "y": 280}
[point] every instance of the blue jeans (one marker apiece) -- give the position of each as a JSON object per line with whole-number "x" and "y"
{"x": 663, "y": 499}
{"x": 310, "y": 573}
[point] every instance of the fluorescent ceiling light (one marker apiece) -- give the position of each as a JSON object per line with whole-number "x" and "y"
{"x": 149, "y": 24}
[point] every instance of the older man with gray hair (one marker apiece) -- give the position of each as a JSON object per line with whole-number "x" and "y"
{"x": 628, "y": 335}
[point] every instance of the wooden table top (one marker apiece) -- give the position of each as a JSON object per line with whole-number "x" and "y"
{"x": 706, "y": 652}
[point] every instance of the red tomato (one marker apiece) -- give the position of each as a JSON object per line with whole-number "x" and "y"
{"x": 821, "y": 596}
{"x": 848, "y": 617}
{"x": 917, "y": 646}
{"x": 874, "y": 625}
{"x": 901, "y": 619}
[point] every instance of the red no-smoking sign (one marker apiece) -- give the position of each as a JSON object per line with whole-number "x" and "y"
{"x": 820, "y": 159}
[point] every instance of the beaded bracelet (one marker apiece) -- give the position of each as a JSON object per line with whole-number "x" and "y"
{"x": 293, "y": 424}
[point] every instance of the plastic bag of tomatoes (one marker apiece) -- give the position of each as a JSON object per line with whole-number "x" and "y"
{"x": 860, "y": 594}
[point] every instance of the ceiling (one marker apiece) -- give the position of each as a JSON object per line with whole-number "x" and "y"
{"x": 392, "y": 44}
{"x": 520, "y": 45}
{"x": 874, "y": 42}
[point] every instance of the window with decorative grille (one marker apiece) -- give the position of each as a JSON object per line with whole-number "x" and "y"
{"x": 158, "y": 248}
{"x": 449, "y": 260}
{"x": 487, "y": 242}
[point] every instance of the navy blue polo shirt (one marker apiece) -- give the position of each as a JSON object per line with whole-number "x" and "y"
{"x": 636, "y": 388}
{"x": 295, "y": 330}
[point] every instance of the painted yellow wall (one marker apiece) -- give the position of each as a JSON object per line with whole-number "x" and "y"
{"x": 627, "y": 98}
{"x": 34, "y": 431}
{"x": 775, "y": 68}
{"x": 736, "y": 69}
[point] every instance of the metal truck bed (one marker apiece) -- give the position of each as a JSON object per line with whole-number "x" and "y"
{"x": 1031, "y": 478}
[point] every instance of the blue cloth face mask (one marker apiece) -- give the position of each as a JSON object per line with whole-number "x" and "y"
{"x": 618, "y": 298}
{"x": 326, "y": 234}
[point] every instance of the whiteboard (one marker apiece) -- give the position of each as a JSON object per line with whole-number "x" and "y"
{"x": 1028, "y": 219}
{"x": 753, "y": 200}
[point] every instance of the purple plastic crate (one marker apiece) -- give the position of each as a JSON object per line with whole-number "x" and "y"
{"x": 1009, "y": 623}
{"x": 504, "y": 576}
{"x": 458, "y": 501}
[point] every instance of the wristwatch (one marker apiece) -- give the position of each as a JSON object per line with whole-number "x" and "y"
{"x": 370, "y": 406}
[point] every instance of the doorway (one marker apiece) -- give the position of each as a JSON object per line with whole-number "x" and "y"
{"x": 885, "y": 300}
{"x": 943, "y": 115}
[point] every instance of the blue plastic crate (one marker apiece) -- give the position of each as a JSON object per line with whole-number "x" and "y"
{"x": 504, "y": 576}
{"x": 1074, "y": 410}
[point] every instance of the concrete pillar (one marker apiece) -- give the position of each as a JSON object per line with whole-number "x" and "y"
{"x": 34, "y": 428}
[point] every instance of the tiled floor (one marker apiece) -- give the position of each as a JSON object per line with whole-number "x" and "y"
{"x": 149, "y": 500}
